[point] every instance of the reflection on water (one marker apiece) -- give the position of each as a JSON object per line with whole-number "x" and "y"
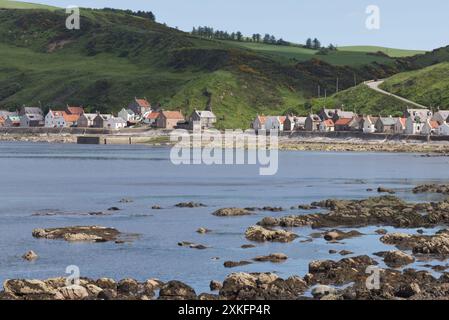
{"x": 77, "y": 180}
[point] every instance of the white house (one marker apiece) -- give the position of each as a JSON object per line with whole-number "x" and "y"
{"x": 127, "y": 114}
{"x": 60, "y": 119}
{"x": 399, "y": 127}
{"x": 275, "y": 123}
{"x": 369, "y": 124}
{"x": 86, "y": 120}
{"x": 430, "y": 127}
{"x": 414, "y": 125}
{"x": 115, "y": 123}
{"x": 327, "y": 126}
{"x": 443, "y": 130}
{"x": 32, "y": 120}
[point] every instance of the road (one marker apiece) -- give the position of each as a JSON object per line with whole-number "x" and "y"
{"x": 374, "y": 85}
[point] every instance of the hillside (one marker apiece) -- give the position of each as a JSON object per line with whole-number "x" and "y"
{"x": 392, "y": 52}
{"x": 428, "y": 86}
{"x": 6, "y": 4}
{"x": 116, "y": 56}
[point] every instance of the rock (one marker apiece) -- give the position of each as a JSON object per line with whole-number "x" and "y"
{"x": 232, "y": 212}
{"x": 189, "y": 205}
{"x": 337, "y": 235}
{"x": 215, "y": 285}
{"x": 272, "y": 209}
{"x": 261, "y": 286}
{"x": 333, "y": 251}
{"x": 126, "y": 200}
{"x": 30, "y": 256}
{"x": 345, "y": 252}
{"x": 381, "y": 231}
{"x": 275, "y": 258}
{"x": 437, "y": 244}
{"x": 234, "y": 264}
{"x": 73, "y": 293}
{"x": 203, "y": 231}
{"x": 260, "y": 234}
{"x": 153, "y": 284}
{"x": 128, "y": 287}
{"x": 156, "y": 207}
{"x": 176, "y": 290}
{"x": 114, "y": 209}
{"x": 385, "y": 190}
{"x": 29, "y": 288}
{"x": 247, "y": 246}
{"x": 106, "y": 283}
{"x": 321, "y": 291}
{"x": 107, "y": 294}
{"x": 93, "y": 290}
{"x": 89, "y": 233}
{"x": 432, "y": 188}
{"x": 396, "y": 259}
{"x": 192, "y": 245}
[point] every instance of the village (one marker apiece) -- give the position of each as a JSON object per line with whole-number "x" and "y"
{"x": 140, "y": 113}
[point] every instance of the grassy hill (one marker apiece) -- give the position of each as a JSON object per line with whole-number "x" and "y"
{"x": 116, "y": 56}
{"x": 428, "y": 86}
{"x": 6, "y": 4}
{"x": 394, "y": 53}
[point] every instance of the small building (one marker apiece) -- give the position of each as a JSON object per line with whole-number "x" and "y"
{"x": 327, "y": 126}
{"x": 275, "y": 123}
{"x": 259, "y": 123}
{"x": 31, "y": 110}
{"x": 100, "y": 121}
{"x": 151, "y": 118}
{"x": 206, "y": 119}
{"x": 400, "y": 125}
{"x": 355, "y": 123}
{"x": 74, "y": 110}
{"x": 369, "y": 124}
{"x": 140, "y": 106}
{"x": 60, "y": 119}
{"x": 127, "y": 114}
{"x": 32, "y": 120}
{"x": 341, "y": 114}
{"x": 12, "y": 121}
{"x": 169, "y": 119}
{"x": 440, "y": 116}
{"x": 313, "y": 122}
{"x": 415, "y": 124}
{"x": 293, "y": 123}
{"x": 385, "y": 124}
{"x": 430, "y": 127}
{"x": 423, "y": 114}
{"x": 86, "y": 120}
{"x": 115, "y": 123}
{"x": 443, "y": 130}
{"x": 343, "y": 124}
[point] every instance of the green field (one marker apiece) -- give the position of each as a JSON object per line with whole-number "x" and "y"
{"x": 5, "y": 4}
{"x": 428, "y": 86}
{"x": 395, "y": 53}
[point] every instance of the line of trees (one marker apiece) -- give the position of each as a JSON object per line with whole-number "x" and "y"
{"x": 210, "y": 33}
{"x": 143, "y": 14}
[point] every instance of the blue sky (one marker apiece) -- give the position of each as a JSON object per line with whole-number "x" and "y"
{"x": 408, "y": 24}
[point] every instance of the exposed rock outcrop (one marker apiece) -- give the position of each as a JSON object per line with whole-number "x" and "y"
{"x": 88, "y": 233}
{"x": 261, "y": 234}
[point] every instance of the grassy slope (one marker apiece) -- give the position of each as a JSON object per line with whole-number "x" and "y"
{"x": 5, "y": 4}
{"x": 362, "y": 100}
{"x": 397, "y": 53}
{"x": 428, "y": 86}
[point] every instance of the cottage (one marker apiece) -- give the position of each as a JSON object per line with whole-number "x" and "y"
{"x": 100, "y": 121}
{"x": 205, "y": 119}
{"x": 293, "y": 123}
{"x": 169, "y": 119}
{"x": 31, "y": 110}
{"x": 385, "y": 124}
{"x": 399, "y": 127}
{"x": 12, "y": 121}
{"x": 443, "y": 130}
{"x": 74, "y": 110}
{"x": 343, "y": 124}
{"x": 128, "y": 115}
{"x": 416, "y": 120}
{"x": 355, "y": 123}
{"x": 423, "y": 114}
{"x": 369, "y": 124}
{"x": 275, "y": 123}
{"x": 440, "y": 116}
{"x": 341, "y": 114}
{"x": 151, "y": 118}
{"x": 140, "y": 106}
{"x": 115, "y": 123}
{"x": 86, "y": 120}
{"x": 430, "y": 127}
{"x": 32, "y": 120}
{"x": 259, "y": 123}
{"x": 313, "y": 122}
{"x": 60, "y": 119}
{"x": 327, "y": 126}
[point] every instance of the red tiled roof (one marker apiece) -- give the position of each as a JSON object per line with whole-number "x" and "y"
{"x": 282, "y": 119}
{"x": 403, "y": 121}
{"x": 343, "y": 121}
{"x": 176, "y": 115}
{"x": 143, "y": 103}
{"x": 71, "y": 117}
{"x": 262, "y": 119}
{"x": 328, "y": 123}
{"x": 75, "y": 110}
{"x": 152, "y": 115}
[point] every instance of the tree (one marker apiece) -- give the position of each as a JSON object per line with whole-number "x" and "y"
{"x": 266, "y": 38}
{"x": 258, "y": 37}
{"x": 309, "y": 43}
{"x": 239, "y": 36}
{"x": 316, "y": 44}
{"x": 273, "y": 39}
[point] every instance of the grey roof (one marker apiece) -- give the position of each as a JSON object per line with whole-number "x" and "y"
{"x": 388, "y": 121}
{"x": 345, "y": 114}
{"x": 32, "y": 110}
{"x": 116, "y": 120}
{"x": 205, "y": 114}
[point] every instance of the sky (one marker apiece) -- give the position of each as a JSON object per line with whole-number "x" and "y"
{"x": 406, "y": 24}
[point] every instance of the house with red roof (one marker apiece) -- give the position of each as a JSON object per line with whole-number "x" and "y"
{"x": 430, "y": 127}
{"x": 169, "y": 119}
{"x": 259, "y": 123}
{"x": 343, "y": 124}
{"x": 140, "y": 106}
{"x": 151, "y": 118}
{"x": 74, "y": 110}
{"x": 327, "y": 126}
{"x": 60, "y": 119}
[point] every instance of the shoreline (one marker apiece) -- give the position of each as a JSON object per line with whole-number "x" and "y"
{"x": 286, "y": 143}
